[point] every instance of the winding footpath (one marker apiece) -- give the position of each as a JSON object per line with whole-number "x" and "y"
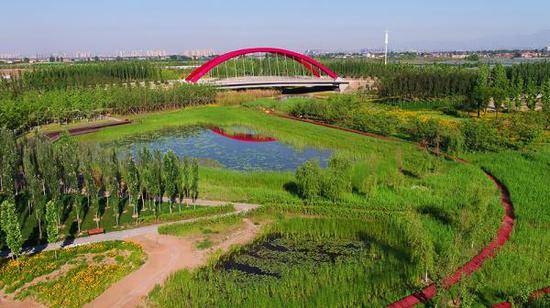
{"x": 130, "y": 233}
{"x": 502, "y": 236}
{"x": 165, "y": 255}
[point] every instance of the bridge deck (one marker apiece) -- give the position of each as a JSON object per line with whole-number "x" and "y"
{"x": 250, "y": 82}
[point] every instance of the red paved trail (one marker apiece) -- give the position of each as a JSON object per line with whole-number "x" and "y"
{"x": 502, "y": 236}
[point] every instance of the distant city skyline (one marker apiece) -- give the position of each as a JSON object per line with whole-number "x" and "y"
{"x": 110, "y": 27}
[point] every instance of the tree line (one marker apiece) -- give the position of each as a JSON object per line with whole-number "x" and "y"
{"x": 34, "y": 108}
{"x": 441, "y": 80}
{"x": 511, "y": 89}
{"x": 428, "y": 83}
{"x": 80, "y": 75}
{"x": 38, "y": 177}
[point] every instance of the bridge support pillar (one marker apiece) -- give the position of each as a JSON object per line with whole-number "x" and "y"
{"x": 343, "y": 86}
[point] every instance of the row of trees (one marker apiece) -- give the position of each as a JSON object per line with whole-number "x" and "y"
{"x": 37, "y": 108}
{"x": 511, "y": 94}
{"x": 357, "y": 68}
{"x": 35, "y": 171}
{"x": 441, "y": 80}
{"x": 10, "y": 225}
{"x": 537, "y": 73}
{"x": 429, "y": 83}
{"x": 80, "y": 75}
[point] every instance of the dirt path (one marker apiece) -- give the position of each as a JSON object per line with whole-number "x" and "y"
{"x": 7, "y": 302}
{"x": 87, "y": 128}
{"x": 166, "y": 255}
{"x": 134, "y": 232}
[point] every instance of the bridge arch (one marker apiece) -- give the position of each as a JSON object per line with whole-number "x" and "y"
{"x": 309, "y": 63}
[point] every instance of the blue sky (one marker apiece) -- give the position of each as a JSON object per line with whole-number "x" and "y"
{"x": 107, "y": 26}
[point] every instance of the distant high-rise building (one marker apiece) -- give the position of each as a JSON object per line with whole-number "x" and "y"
{"x": 143, "y": 53}
{"x": 83, "y": 54}
{"x": 8, "y": 56}
{"x": 199, "y": 53}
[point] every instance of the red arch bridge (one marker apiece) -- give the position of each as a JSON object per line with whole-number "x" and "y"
{"x": 265, "y": 67}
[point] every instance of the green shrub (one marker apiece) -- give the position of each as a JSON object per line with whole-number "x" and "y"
{"x": 515, "y": 131}
{"x": 523, "y": 128}
{"x": 433, "y": 134}
{"x": 481, "y": 136}
{"x": 378, "y": 122}
{"x": 337, "y": 179}
{"x": 308, "y": 180}
{"x": 314, "y": 182}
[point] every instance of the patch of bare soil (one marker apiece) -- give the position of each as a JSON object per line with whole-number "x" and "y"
{"x": 166, "y": 255}
{"x": 8, "y": 302}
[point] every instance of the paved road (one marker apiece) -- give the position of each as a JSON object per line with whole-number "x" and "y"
{"x": 129, "y": 233}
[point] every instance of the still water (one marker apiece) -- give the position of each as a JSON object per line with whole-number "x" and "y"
{"x": 237, "y": 148}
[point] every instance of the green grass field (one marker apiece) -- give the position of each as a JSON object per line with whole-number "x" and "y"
{"x": 302, "y": 260}
{"x": 411, "y": 219}
{"x": 451, "y": 210}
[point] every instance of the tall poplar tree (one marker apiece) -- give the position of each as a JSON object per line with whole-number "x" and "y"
{"x": 195, "y": 181}
{"x": 11, "y": 227}
{"x": 133, "y": 182}
{"x": 52, "y": 226}
{"x": 171, "y": 176}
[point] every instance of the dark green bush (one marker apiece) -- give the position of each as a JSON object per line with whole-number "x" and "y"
{"x": 481, "y": 136}
{"x": 433, "y": 134}
{"x": 308, "y": 180}
{"x": 331, "y": 183}
{"x": 337, "y": 179}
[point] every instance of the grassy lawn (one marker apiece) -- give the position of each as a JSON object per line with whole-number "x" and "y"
{"x": 207, "y": 226}
{"x": 207, "y": 232}
{"x": 452, "y": 208}
{"x": 70, "y": 277}
{"x": 410, "y": 214}
{"x": 283, "y": 129}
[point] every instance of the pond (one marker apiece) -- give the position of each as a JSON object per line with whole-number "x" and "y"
{"x": 275, "y": 255}
{"x": 237, "y": 148}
